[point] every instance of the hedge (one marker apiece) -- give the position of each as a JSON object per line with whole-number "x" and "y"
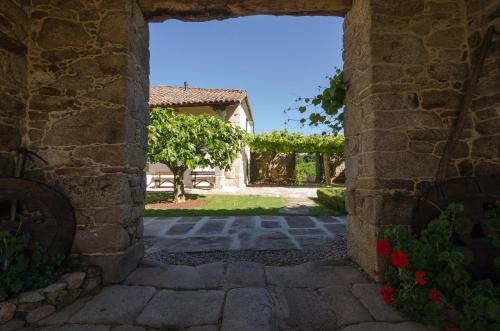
{"x": 333, "y": 198}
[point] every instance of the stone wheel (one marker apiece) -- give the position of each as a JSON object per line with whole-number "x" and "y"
{"x": 55, "y": 227}
{"x": 476, "y": 195}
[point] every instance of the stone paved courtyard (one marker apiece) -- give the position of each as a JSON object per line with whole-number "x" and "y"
{"x": 242, "y": 296}
{"x": 203, "y": 234}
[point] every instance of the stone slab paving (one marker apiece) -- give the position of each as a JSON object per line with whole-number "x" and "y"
{"x": 203, "y": 234}
{"x": 316, "y": 296}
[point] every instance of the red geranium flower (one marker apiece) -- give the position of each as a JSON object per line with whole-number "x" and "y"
{"x": 383, "y": 247}
{"x": 419, "y": 277}
{"x": 399, "y": 259}
{"x": 387, "y": 293}
{"x": 434, "y": 296}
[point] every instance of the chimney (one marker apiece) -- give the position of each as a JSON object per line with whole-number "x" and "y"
{"x": 186, "y": 85}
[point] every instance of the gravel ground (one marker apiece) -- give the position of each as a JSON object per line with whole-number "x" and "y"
{"x": 337, "y": 250}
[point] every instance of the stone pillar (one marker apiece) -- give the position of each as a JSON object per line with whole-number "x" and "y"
{"x": 405, "y": 64}
{"x": 88, "y": 86}
{"x": 220, "y": 179}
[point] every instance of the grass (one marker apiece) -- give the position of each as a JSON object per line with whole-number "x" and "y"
{"x": 219, "y": 205}
{"x": 320, "y": 209}
{"x": 233, "y": 205}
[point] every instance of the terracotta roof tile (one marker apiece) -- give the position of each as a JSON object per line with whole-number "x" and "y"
{"x": 177, "y": 96}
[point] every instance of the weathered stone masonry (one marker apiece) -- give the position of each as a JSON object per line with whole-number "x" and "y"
{"x": 74, "y": 86}
{"x": 85, "y": 113}
{"x": 406, "y": 63}
{"x": 13, "y": 89}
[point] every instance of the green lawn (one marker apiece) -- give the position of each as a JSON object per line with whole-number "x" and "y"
{"x": 229, "y": 205}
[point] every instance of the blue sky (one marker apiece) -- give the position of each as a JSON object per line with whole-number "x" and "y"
{"x": 276, "y": 59}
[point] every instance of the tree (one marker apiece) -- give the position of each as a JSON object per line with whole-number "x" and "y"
{"x": 326, "y": 108}
{"x": 185, "y": 142}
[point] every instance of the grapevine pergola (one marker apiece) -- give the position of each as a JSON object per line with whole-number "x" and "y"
{"x": 285, "y": 142}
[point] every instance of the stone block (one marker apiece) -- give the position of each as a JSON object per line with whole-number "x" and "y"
{"x": 13, "y": 325}
{"x": 182, "y": 309}
{"x": 377, "y": 326}
{"x": 40, "y": 313}
{"x": 447, "y": 99}
{"x": 57, "y": 33}
{"x": 244, "y": 274}
{"x": 170, "y": 277}
{"x": 369, "y": 295}
{"x": 313, "y": 275}
{"x": 397, "y": 8}
{"x": 399, "y": 165}
{"x": 180, "y": 229}
{"x": 74, "y": 279}
{"x": 449, "y": 38}
{"x": 487, "y": 147}
{"x": 30, "y": 297}
{"x": 111, "y": 29}
{"x": 212, "y": 227}
{"x": 383, "y": 73}
{"x": 384, "y": 141}
{"x": 96, "y": 191}
{"x": 102, "y": 239}
{"x": 212, "y": 274}
{"x": 7, "y": 311}
{"x": 114, "y": 305}
{"x": 105, "y": 128}
{"x": 398, "y": 49}
{"x": 204, "y": 328}
{"x": 449, "y": 71}
{"x": 299, "y": 222}
{"x": 116, "y": 267}
{"x": 63, "y": 315}
{"x": 74, "y": 327}
{"x": 302, "y": 309}
{"x": 249, "y": 309}
{"x": 347, "y": 308}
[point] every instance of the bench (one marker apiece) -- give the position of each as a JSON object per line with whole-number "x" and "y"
{"x": 203, "y": 176}
{"x": 162, "y": 177}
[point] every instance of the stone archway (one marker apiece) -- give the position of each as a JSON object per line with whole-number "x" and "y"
{"x": 79, "y": 89}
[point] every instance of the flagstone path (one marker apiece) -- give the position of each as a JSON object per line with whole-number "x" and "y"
{"x": 203, "y": 234}
{"x": 241, "y": 296}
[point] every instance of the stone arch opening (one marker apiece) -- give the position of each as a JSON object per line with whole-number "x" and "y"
{"x": 78, "y": 91}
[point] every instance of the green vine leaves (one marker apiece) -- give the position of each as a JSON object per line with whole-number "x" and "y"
{"x": 325, "y": 109}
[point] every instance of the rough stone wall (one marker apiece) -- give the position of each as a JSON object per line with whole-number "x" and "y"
{"x": 405, "y": 64}
{"x": 14, "y": 31}
{"x": 485, "y": 145}
{"x": 87, "y": 113}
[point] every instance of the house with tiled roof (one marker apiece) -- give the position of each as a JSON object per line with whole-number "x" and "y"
{"x": 228, "y": 104}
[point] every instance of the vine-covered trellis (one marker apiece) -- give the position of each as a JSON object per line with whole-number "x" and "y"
{"x": 277, "y": 142}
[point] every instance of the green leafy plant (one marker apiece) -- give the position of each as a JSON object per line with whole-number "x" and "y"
{"x": 276, "y": 142}
{"x": 26, "y": 265}
{"x": 304, "y": 170}
{"x": 184, "y": 142}
{"x": 428, "y": 278}
{"x": 333, "y": 198}
{"x": 326, "y": 108}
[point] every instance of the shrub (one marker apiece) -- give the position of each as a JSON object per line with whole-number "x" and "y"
{"x": 333, "y": 198}
{"x": 428, "y": 278}
{"x": 25, "y": 265}
{"x": 305, "y": 171}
